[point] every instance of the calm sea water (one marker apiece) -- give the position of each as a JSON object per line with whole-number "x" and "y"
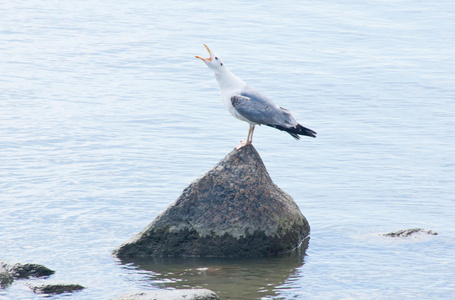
{"x": 105, "y": 116}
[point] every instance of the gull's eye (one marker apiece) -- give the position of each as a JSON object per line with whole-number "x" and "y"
{"x": 216, "y": 58}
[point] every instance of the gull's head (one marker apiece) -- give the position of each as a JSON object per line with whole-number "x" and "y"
{"x": 213, "y": 62}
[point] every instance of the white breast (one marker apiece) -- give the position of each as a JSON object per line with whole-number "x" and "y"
{"x": 230, "y": 85}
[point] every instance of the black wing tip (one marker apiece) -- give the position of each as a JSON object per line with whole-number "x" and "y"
{"x": 296, "y": 131}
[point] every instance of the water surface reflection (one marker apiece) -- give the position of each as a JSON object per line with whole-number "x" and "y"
{"x": 245, "y": 278}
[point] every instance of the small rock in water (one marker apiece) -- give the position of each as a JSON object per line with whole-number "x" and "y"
{"x": 8, "y": 273}
{"x": 25, "y": 271}
{"x": 54, "y": 289}
{"x": 409, "y": 232}
{"x": 183, "y": 294}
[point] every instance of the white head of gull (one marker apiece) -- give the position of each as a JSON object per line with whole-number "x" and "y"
{"x": 249, "y": 105}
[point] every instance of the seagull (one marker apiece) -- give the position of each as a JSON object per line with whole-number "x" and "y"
{"x": 249, "y": 105}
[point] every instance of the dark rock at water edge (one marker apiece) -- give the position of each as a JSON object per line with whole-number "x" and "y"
{"x": 184, "y": 294}
{"x": 8, "y": 272}
{"x": 5, "y": 276}
{"x": 233, "y": 210}
{"x": 54, "y": 289}
{"x": 410, "y": 232}
{"x": 25, "y": 271}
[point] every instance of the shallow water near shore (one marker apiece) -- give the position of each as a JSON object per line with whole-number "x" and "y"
{"x": 106, "y": 116}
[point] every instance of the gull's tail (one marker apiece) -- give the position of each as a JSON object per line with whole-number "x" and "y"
{"x": 296, "y": 131}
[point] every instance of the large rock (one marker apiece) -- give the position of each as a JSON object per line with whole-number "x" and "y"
{"x": 233, "y": 210}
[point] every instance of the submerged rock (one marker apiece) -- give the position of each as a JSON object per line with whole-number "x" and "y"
{"x": 184, "y": 294}
{"x": 54, "y": 289}
{"x": 233, "y": 210}
{"x": 409, "y": 232}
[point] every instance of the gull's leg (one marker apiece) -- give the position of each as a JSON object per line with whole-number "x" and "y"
{"x": 250, "y": 135}
{"x": 249, "y": 138}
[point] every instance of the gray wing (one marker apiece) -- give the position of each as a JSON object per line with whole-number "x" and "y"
{"x": 257, "y": 108}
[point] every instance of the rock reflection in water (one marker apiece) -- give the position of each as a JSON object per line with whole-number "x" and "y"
{"x": 239, "y": 278}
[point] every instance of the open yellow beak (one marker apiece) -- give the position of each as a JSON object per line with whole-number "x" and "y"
{"x": 206, "y": 59}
